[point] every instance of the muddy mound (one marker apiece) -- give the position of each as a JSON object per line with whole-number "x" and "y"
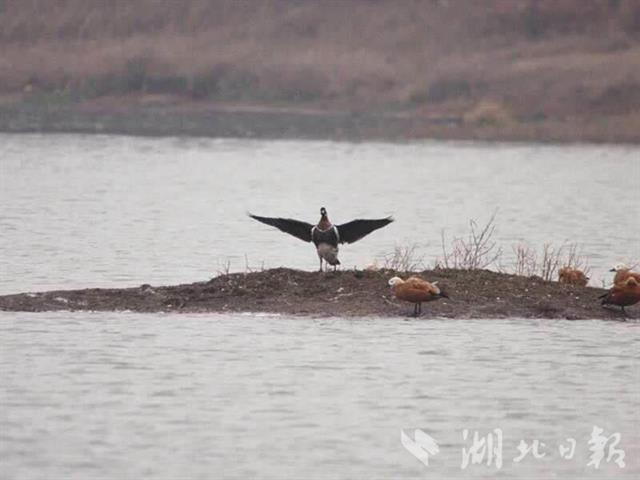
{"x": 353, "y": 293}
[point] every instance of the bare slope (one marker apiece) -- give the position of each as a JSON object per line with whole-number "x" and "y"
{"x": 474, "y": 294}
{"x": 557, "y": 63}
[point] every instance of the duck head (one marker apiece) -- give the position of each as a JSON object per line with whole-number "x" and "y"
{"x": 620, "y": 267}
{"x": 395, "y": 281}
{"x": 323, "y": 212}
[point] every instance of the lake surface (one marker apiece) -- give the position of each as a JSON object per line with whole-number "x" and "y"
{"x": 113, "y": 395}
{"x": 209, "y": 396}
{"x": 122, "y": 211}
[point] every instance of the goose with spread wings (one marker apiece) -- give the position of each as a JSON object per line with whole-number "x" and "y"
{"x": 326, "y": 236}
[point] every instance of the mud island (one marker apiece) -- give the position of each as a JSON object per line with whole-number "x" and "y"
{"x": 346, "y": 293}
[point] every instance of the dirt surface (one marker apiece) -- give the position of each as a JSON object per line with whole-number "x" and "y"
{"x": 213, "y": 120}
{"x": 349, "y": 293}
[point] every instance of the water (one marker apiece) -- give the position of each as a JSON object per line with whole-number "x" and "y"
{"x": 184, "y": 396}
{"x": 119, "y": 211}
{"x": 101, "y": 395}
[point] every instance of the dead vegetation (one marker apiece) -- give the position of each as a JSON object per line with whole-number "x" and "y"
{"x": 479, "y": 250}
{"x": 551, "y": 259}
{"x": 488, "y": 113}
{"x": 404, "y": 259}
{"x": 525, "y": 260}
{"x": 494, "y": 63}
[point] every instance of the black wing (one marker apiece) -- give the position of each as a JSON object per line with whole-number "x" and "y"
{"x": 298, "y": 229}
{"x": 356, "y": 229}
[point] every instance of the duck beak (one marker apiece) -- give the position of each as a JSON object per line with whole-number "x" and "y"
{"x": 612, "y": 270}
{"x": 444, "y": 295}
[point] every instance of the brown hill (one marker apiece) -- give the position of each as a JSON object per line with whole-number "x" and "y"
{"x": 495, "y": 62}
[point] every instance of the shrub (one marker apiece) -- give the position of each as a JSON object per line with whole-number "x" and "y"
{"x": 525, "y": 262}
{"x": 488, "y": 113}
{"x": 404, "y": 259}
{"x": 448, "y": 88}
{"x": 477, "y": 251}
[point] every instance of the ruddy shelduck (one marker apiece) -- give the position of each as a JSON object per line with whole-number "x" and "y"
{"x": 572, "y": 276}
{"x": 623, "y": 294}
{"x": 623, "y": 272}
{"x": 416, "y": 290}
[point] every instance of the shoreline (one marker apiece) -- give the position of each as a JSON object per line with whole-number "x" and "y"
{"x": 280, "y": 123}
{"x": 346, "y": 293}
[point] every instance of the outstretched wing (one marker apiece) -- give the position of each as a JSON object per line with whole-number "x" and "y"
{"x": 356, "y": 229}
{"x": 298, "y": 229}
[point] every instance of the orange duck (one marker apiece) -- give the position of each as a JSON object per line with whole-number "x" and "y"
{"x": 623, "y": 272}
{"x": 416, "y": 290}
{"x": 572, "y": 276}
{"x": 623, "y": 294}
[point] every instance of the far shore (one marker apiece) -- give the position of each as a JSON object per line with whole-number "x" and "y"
{"x": 347, "y": 293}
{"x": 125, "y": 116}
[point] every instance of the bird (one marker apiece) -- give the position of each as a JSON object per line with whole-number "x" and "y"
{"x": 572, "y": 276}
{"x": 622, "y": 273}
{"x": 416, "y": 290}
{"x": 325, "y": 235}
{"x": 623, "y": 294}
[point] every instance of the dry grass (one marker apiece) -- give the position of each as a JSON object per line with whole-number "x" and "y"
{"x": 528, "y": 262}
{"x": 527, "y": 58}
{"x": 549, "y": 262}
{"x": 404, "y": 259}
{"x": 525, "y": 260}
{"x": 488, "y": 113}
{"x": 478, "y": 250}
{"x": 224, "y": 267}
{"x": 575, "y": 258}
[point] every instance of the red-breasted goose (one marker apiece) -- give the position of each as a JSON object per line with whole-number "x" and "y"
{"x": 326, "y": 236}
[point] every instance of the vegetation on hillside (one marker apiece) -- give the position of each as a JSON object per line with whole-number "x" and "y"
{"x": 487, "y": 62}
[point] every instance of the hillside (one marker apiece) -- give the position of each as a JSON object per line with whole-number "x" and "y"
{"x": 529, "y": 67}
